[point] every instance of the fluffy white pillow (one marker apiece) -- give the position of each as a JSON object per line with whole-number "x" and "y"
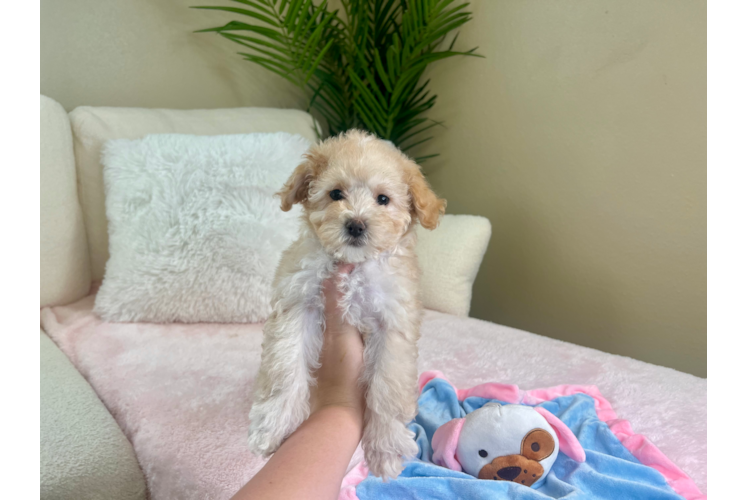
{"x": 93, "y": 126}
{"x": 449, "y": 257}
{"x": 195, "y": 233}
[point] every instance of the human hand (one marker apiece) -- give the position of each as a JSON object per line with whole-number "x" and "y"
{"x": 328, "y": 438}
{"x": 341, "y": 358}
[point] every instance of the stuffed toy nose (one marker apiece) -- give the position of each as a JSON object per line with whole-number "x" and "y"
{"x": 508, "y": 473}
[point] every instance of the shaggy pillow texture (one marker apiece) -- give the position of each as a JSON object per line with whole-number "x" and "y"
{"x": 93, "y": 126}
{"x": 195, "y": 233}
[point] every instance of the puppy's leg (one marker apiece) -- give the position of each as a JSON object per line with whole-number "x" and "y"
{"x": 290, "y": 349}
{"x": 391, "y": 376}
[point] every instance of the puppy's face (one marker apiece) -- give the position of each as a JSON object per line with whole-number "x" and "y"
{"x": 360, "y": 195}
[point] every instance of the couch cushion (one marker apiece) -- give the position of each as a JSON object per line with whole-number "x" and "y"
{"x": 84, "y": 454}
{"x": 449, "y": 257}
{"x": 92, "y": 126}
{"x": 64, "y": 266}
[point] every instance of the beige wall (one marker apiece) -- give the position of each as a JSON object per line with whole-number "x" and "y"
{"x": 143, "y": 53}
{"x": 582, "y": 136}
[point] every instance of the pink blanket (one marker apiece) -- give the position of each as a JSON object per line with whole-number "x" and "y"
{"x": 181, "y": 393}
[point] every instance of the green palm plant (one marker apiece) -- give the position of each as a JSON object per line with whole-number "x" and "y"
{"x": 361, "y": 68}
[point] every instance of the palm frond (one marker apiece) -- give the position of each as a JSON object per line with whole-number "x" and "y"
{"x": 362, "y": 68}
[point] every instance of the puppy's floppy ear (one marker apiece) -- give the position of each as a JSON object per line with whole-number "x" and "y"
{"x": 296, "y": 188}
{"x": 427, "y": 206}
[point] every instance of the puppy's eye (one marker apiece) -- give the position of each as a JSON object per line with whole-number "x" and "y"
{"x": 483, "y": 453}
{"x": 382, "y": 199}
{"x": 336, "y": 194}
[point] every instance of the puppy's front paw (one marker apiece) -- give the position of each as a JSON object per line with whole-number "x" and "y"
{"x": 264, "y": 437}
{"x": 385, "y": 453}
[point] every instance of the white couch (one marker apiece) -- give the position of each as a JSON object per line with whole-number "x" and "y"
{"x": 86, "y": 455}
{"x": 84, "y": 452}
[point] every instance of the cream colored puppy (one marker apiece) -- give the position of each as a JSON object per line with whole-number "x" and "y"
{"x": 361, "y": 198}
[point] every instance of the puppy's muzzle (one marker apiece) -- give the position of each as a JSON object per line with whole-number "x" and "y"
{"x": 356, "y": 228}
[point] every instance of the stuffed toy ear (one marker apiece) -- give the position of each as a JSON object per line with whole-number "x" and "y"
{"x": 567, "y": 441}
{"x": 444, "y": 444}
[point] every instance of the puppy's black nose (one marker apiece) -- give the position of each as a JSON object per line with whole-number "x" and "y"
{"x": 509, "y": 473}
{"x": 356, "y": 228}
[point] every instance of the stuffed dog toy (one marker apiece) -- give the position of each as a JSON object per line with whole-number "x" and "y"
{"x": 505, "y": 443}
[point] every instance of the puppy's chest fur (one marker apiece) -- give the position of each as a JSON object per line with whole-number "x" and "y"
{"x": 379, "y": 295}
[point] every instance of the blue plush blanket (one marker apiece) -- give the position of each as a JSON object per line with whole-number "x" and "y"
{"x": 610, "y": 471}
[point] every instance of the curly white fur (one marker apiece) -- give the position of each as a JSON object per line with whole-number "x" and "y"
{"x": 380, "y": 296}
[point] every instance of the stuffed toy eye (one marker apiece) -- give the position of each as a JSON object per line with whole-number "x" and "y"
{"x": 483, "y": 453}
{"x": 537, "y": 445}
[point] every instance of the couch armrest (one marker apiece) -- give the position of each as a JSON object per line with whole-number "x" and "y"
{"x": 84, "y": 454}
{"x": 64, "y": 267}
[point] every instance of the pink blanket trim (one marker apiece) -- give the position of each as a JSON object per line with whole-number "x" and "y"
{"x": 351, "y": 480}
{"x": 639, "y": 446}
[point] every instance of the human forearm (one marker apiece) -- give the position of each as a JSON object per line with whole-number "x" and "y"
{"x": 311, "y": 463}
